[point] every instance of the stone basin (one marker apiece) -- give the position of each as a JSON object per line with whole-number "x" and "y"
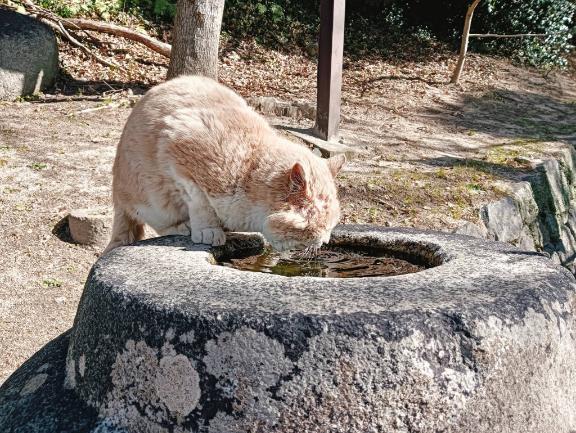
{"x": 166, "y": 340}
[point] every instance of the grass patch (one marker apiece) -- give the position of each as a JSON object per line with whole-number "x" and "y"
{"x": 401, "y": 195}
{"x": 51, "y": 283}
{"x": 37, "y": 166}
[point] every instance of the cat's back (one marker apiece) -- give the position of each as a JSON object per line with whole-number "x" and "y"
{"x": 189, "y": 92}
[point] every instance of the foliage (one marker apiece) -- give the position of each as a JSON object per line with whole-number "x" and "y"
{"x": 551, "y": 17}
{"x": 374, "y": 26}
{"x": 273, "y": 22}
{"x": 104, "y": 9}
{"x": 445, "y": 19}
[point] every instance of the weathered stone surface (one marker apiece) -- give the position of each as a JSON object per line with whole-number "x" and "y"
{"x": 523, "y": 195}
{"x": 526, "y": 240}
{"x": 555, "y": 187}
{"x": 90, "y": 226}
{"x": 166, "y": 341}
{"x": 28, "y": 55}
{"x": 471, "y": 229}
{"x": 503, "y": 220}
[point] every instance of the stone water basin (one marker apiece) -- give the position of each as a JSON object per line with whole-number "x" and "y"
{"x": 480, "y": 338}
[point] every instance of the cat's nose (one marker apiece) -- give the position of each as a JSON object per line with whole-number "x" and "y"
{"x": 326, "y": 238}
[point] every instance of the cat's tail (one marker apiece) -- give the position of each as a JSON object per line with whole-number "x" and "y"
{"x": 125, "y": 230}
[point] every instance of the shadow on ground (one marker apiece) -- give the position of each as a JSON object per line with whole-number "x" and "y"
{"x": 514, "y": 115}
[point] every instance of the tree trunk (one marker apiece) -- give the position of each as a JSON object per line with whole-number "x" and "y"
{"x": 196, "y": 37}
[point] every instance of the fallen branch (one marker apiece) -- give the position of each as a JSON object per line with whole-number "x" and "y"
{"x": 90, "y": 110}
{"x": 113, "y": 29}
{"x": 78, "y": 44}
{"x": 62, "y": 25}
{"x": 56, "y": 23}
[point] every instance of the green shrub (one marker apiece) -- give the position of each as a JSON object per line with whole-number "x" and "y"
{"x": 276, "y": 23}
{"x": 375, "y": 26}
{"x": 445, "y": 20}
{"x": 551, "y": 17}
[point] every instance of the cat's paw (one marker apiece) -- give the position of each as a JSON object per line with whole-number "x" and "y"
{"x": 214, "y": 236}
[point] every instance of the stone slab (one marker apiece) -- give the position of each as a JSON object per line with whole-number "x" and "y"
{"x": 327, "y": 148}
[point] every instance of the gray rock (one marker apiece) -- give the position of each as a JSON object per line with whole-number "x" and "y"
{"x": 524, "y": 198}
{"x": 28, "y": 55}
{"x": 471, "y": 229}
{"x": 503, "y": 220}
{"x": 526, "y": 240}
{"x": 166, "y": 341}
{"x": 558, "y": 192}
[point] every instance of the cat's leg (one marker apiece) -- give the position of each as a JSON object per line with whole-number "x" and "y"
{"x": 181, "y": 229}
{"x": 125, "y": 230}
{"x": 205, "y": 226}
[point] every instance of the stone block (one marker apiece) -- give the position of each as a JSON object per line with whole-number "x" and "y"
{"x": 503, "y": 220}
{"x": 164, "y": 340}
{"x": 559, "y": 191}
{"x": 28, "y": 55}
{"x": 471, "y": 229}
{"x": 526, "y": 240}
{"x": 523, "y": 195}
{"x": 90, "y": 226}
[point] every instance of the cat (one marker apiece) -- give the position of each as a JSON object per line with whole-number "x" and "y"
{"x": 194, "y": 159}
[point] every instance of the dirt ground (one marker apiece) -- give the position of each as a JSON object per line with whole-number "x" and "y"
{"x": 432, "y": 154}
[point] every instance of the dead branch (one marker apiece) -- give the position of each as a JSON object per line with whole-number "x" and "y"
{"x": 56, "y": 23}
{"x": 113, "y": 29}
{"x": 62, "y": 25}
{"x": 78, "y": 44}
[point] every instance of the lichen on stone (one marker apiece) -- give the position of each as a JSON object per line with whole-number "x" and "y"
{"x": 150, "y": 389}
{"x": 246, "y": 364}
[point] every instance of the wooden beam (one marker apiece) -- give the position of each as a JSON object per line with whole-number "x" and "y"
{"x": 331, "y": 48}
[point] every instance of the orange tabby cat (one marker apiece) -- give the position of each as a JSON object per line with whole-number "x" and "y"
{"x": 195, "y": 160}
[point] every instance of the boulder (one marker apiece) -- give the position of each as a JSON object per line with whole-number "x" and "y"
{"x": 28, "y": 55}
{"x": 165, "y": 340}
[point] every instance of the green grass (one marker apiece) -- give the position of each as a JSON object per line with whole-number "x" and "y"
{"x": 37, "y": 166}
{"x": 51, "y": 283}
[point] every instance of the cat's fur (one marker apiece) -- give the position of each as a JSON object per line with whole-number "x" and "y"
{"x": 194, "y": 159}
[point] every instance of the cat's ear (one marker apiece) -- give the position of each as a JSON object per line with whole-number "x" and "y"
{"x": 298, "y": 182}
{"x": 336, "y": 163}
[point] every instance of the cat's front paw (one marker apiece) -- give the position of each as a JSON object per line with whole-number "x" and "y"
{"x": 214, "y": 236}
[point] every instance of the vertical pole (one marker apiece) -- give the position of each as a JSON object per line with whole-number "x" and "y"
{"x": 329, "y": 86}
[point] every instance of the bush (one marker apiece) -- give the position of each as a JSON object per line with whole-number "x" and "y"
{"x": 276, "y": 23}
{"x": 551, "y": 17}
{"x": 445, "y": 19}
{"x": 376, "y": 26}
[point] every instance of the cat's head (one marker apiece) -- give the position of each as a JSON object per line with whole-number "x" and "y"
{"x": 309, "y": 207}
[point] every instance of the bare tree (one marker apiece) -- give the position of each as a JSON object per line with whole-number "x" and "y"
{"x": 196, "y": 36}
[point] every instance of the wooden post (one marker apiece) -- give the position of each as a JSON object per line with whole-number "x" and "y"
{"x": 464, "y": 43}
{"x": 330, "y": 52}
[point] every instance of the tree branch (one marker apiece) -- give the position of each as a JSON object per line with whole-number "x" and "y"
{"x": 519, "y": 35}
{"x": 113, "y": 29}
